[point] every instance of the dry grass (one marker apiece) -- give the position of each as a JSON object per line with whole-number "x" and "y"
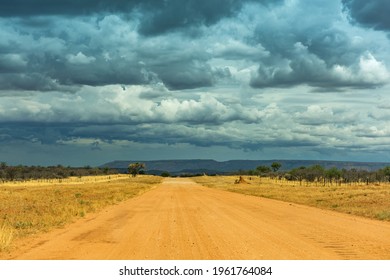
{"x": 6, "y": 236}
{"x": 371, "y": 201}
{"x": 37, "y": 206}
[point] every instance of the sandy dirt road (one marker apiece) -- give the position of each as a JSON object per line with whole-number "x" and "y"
{"x": 180, "y": 219}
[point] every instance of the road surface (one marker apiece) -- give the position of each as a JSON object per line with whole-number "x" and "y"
{"x": 182, "y": 220}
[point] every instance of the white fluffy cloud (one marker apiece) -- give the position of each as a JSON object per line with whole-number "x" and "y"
{"x": 80, "y": 58}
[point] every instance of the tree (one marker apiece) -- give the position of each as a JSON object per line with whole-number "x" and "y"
{"x": 11, "y": 173}
{"x": 298, "y": 174}
{"x": 333, "y": 174}
{"x": 135, "y": 168}
{"x": 386, "y": 172}
{"x": 262, "y": 170}
{"x": 315, "y": 173}
{"x": 275, "y": 166}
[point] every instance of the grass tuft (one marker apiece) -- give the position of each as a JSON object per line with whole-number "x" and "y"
{"x": 6, "y": 236}
{"x": 384, "y": 215}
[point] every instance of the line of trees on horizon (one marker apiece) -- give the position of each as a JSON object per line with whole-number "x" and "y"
{"x": 311, "y": 174}
{"x": 24, "y": 173}
{"x": 320, "y": 175}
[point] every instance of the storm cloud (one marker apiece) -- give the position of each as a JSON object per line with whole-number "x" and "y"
{"x": 373, "y": 14}
{"x": 217, "y": 79}
{"x": 155, "y": 16}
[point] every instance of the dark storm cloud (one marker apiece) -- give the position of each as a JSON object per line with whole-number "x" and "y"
{"x": 157, "y": 16}
{"x": 373, "y": 13}
{"x": 171, "y": 134}
{"x": 11, "y": 63}
{"x": 182, "y": 14}
{"x": 30, "y": 82}
{"x": 197, "y": 135}
{"x": 33, "y": 132}
{"x": 277, "y": 143}
{"x": 57, "y": 52}
{"x": 332, "y": 46}
{"x": 189, "y": 74}
{"x": 65, "y": 7}
{"x": 100, "y": 72}
{"x": 176, "y": 14}
{"x": 184, "y": 73}
{"x": 56, "y": 134}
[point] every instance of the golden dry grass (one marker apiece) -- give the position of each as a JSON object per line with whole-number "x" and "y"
{"x": 371, "y": 201}
{"x": 37, "y": 206}
{"x": 6, "y": 236}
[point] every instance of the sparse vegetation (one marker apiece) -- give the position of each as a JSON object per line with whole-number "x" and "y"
{"x": 26, "y": 173}
{"x": 31, "y": 207}
{"x": 165, "y": 174}
{"x": 321, "y": 176}
{"x": 368, "y": 200}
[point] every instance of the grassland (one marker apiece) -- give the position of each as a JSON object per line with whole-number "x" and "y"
{"x": 28, "y": 208}
{"x": 371, "y": 201}
{"x": 32, "y": 207}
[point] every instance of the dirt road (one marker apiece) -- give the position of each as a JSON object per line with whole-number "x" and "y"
{"x": 180, "y": 219}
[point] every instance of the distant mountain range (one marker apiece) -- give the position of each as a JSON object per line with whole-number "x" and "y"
{"x": 201, "y": 166}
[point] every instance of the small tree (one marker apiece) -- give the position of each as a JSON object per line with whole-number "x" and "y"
{"x": 386, "y": 172}
{"x": 298, "y": 174}
{"x": 275, "y": 166}
{"x": 135, "y": 168}
{"x": 333, "y": 174}
{"x": 263, "y": 170}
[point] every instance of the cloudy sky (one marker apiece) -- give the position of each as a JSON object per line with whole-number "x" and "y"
{"x": 87, "y": 82}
